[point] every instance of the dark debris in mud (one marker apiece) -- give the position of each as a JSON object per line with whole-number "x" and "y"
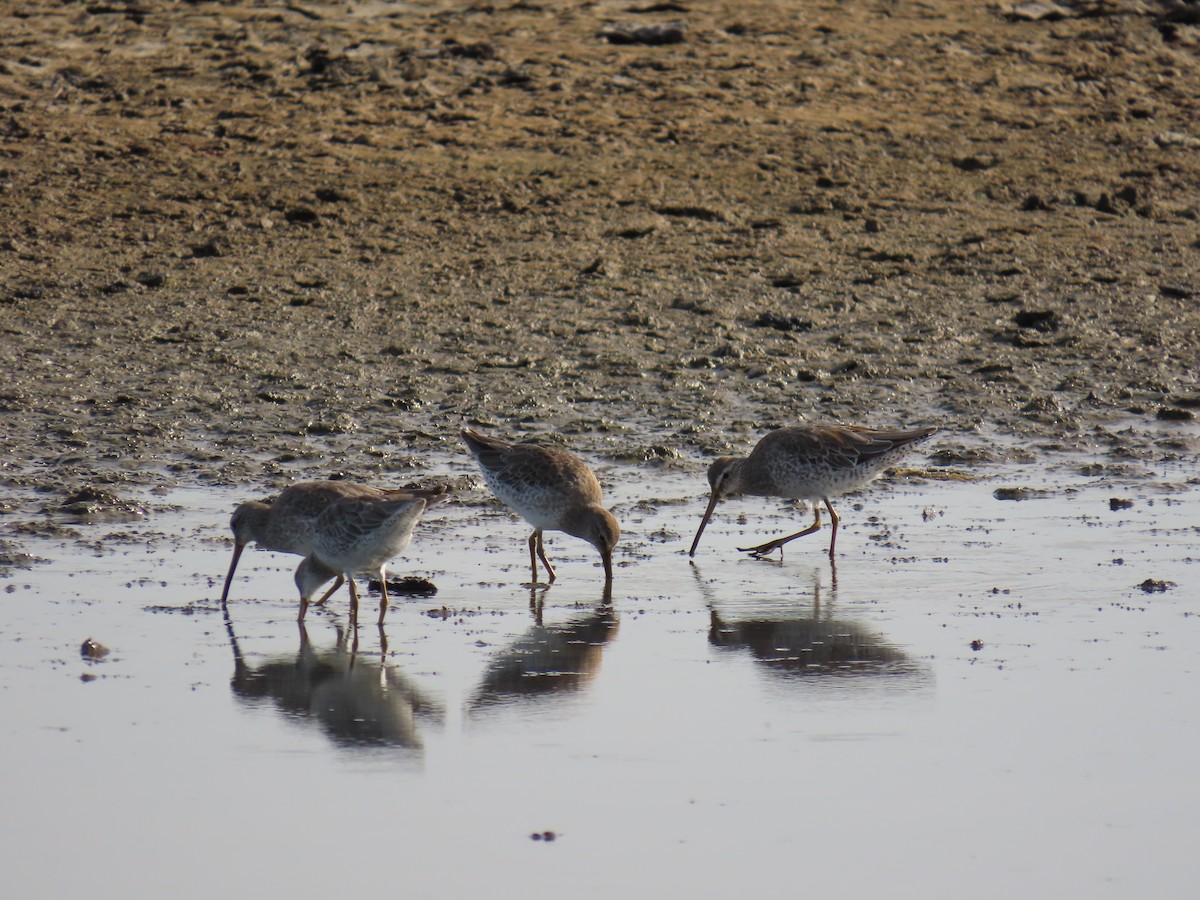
{"x": 410, "y": 586}
{"x": 1156, "y": 586}
{"x": 93, "y": 650}
{"x": 186, "y": 609}
{"x": 13, "y": 557}
{"x": 1022, "y": 493}
{"x": 92, "y": 505}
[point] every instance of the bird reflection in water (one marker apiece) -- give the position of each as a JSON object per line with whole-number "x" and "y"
{"x": 357, "y": 700}
{"x": 791, "y": 644}
{"x": 548, "y": 659}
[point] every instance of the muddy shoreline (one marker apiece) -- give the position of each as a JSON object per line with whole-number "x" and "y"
{"x": 250, "y": 244}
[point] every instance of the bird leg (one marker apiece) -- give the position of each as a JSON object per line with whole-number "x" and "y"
{"x": 353, "y": 602}
{"x": 536, "y": 552}
{"x": 383, "y": 604}
{"x": 542, "y": 556}
{"x": 329, "y": 593}
{"x": 761, "y": 551}
{"x": 834, "y": 517}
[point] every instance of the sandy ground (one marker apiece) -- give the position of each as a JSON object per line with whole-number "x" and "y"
{"x": 246, "y": 242}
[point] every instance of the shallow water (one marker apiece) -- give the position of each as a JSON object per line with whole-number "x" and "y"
{"x": 727, "y": 726}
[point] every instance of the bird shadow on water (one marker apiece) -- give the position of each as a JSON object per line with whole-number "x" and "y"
{"x": 803, "y": 639}
{"x": 357, "y": 700}
{"x": 547, "y": 659}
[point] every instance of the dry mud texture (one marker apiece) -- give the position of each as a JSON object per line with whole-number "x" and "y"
{"x": 250, "y": 242}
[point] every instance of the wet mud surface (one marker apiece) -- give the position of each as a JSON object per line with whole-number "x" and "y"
{"x": 249, "y": 243}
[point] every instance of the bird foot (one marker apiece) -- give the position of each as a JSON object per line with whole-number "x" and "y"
{"x": 764, "y": 551}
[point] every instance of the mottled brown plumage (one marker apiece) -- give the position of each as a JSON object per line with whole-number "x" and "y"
{"x": 552, "y": 490}
{"x": 357, "y": 536}
{"x": 807, "y": 462}
{"x": 285, "y": 523}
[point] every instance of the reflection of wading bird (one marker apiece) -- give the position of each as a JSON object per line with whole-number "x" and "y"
{"x": 552, "y": 490}
{"x": 285, "y": 525}
{"x": 548, "y": 659}
{"x": 356, "y": 700}
{"x": 359, "y": 536}
{"x": 806, "y": 462}
{"x": 810, "y": 646}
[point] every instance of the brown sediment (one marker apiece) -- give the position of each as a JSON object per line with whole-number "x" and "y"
{"x": 242, "y": 241}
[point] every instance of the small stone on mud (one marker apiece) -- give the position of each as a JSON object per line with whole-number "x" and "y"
{"x": 93, "y": 650}
{"x": 11, "y": 556}
{"x": 340, "y": 424}
{"x": 206, "y": 250}
{"x": 90, "y": 505}
{"x": 1174, "y": 414}
{"x": 406, "y": 587}
{"x": 543, "y": 836}
{"x": 1020, "y": 493}
{"x": 782, "y": 323}
{"x": 150, "y": 279}
{"x": 1038, "y": 11}
{"x": 977, "y": 162}
{"x": 1038, "y": 319}
{"x": 309, "y": 280}
{"x": 1044, "y": 403}
{"x": 1155, "y": 586}
{"x": 976, "y": 645}
{"x": 1179, "y": 291}
{"x": 301, "y": 215}
{"x": 1115, "y": 503}
{"x": 650, "y": 35}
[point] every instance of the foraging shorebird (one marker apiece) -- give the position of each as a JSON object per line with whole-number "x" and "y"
{"x": 285, "y": 524}
{"x": 806, "y": 462}
{"x": 552, "y": 490}
{"x": 359, "y": 536}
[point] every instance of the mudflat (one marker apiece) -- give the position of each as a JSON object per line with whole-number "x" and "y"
{"x": 261, "y": 241}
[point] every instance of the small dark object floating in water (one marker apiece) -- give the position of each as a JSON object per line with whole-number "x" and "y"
{"x": 93, "y": 650}
{"x": 409, "y": 587}
{"x": 1154, "y": 586}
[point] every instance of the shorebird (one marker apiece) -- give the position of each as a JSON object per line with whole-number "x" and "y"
{"x": 285, "y": 525}
{"x": 357, "y": 536}
{"x": 552, "y": 490}
{"x": 806, "y": 462}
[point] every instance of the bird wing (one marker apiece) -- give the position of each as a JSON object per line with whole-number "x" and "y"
{"x": 353, "y": 522}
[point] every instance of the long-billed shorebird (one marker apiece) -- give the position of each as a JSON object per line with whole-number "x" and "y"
{"x": 285, "y": 524}
{"x": 552, "y": 490}
{"x": 358, "y": 536}
{"x": 806, "y": 462}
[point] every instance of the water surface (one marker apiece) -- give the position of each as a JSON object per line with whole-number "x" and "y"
{"x": 978, "y": 699}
